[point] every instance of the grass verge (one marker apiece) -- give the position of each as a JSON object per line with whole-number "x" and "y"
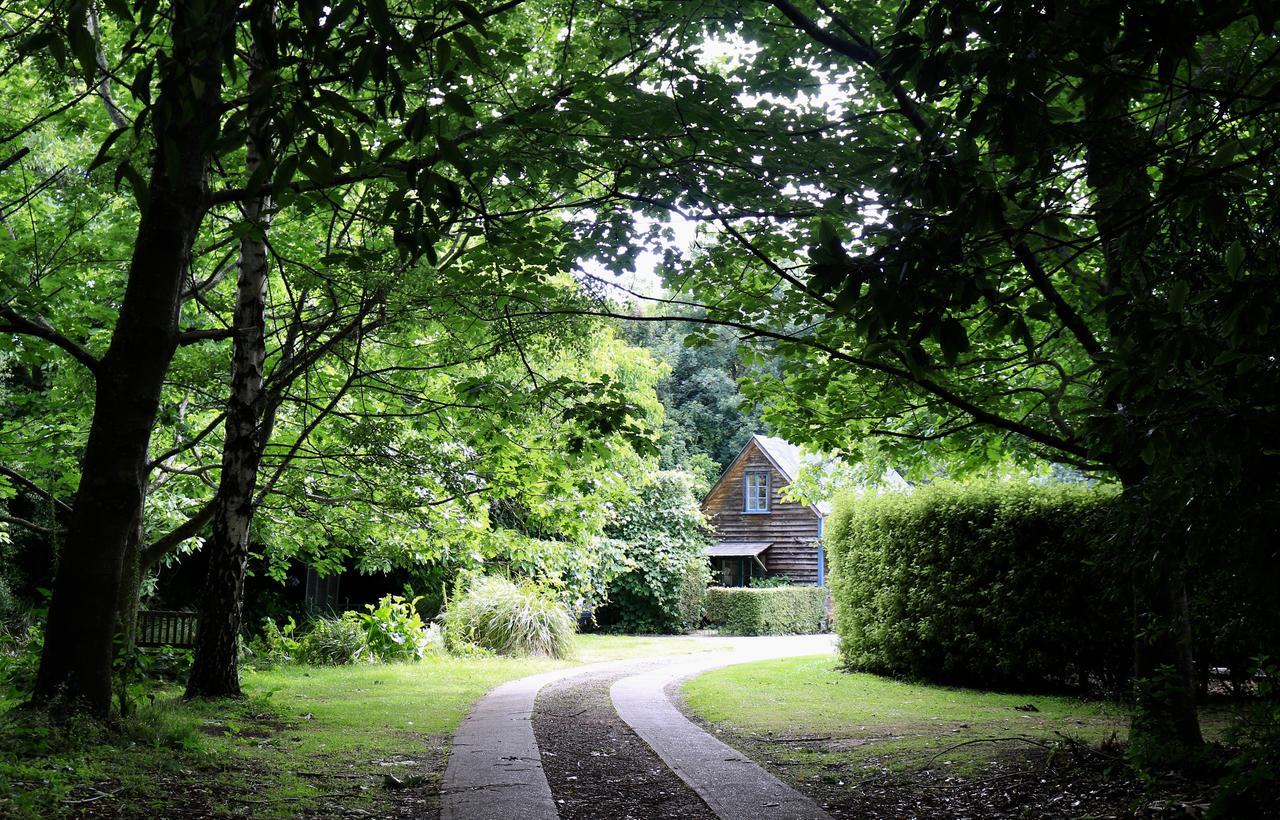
{"x": 866, "y": 746}
{"x": 353, "y": 741}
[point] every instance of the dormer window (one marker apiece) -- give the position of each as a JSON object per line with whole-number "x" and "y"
{"x": 756, "y": 492}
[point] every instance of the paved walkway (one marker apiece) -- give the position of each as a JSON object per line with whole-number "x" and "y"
{"x": 495, "y": 769}
{"x": 732, "y": 785}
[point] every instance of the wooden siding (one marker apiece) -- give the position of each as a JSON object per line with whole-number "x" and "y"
{"x": 793, "y": 528}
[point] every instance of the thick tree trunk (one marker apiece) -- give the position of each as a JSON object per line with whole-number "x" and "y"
{"x": 215, "y": 672}
{"x": 1165, "y": 728}
{"x": 127, "y": 602}
{"x": 75, "y": 667}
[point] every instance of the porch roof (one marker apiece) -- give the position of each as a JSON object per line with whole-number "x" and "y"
{"x": 726, "y": 549}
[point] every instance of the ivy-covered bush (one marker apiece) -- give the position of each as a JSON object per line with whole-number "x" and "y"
{"x": 666, "y": 576}
{"x": 768, "y": 610}
{"x": 995, "y": 584}
{"x": 499, "y": 616}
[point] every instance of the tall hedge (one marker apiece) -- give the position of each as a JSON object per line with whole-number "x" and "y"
{"x": 996, "y": 584}
{"x": 767, "y": 611}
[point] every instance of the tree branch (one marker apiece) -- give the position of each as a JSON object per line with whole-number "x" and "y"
{"x": 27, "y": 484}
{"x": 22, "y": 522}
{"x": 162, "y": 546}
{"x": 190, "y": 337}
{"x": 41, "y": 329}
{"x": 929, "y": 386}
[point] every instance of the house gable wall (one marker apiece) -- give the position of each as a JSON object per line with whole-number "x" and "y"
{"x": 793, "y": 528}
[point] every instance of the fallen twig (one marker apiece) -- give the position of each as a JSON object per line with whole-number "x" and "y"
{"x": 97, "y": 796}
{"x": 988, "y": 740}
{"x": 347, "y": 793}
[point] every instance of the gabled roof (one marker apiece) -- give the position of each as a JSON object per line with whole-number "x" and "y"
{"x": 783, "y": 455}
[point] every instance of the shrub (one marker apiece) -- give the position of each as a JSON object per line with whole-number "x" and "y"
{"x": 768, "y": 611}
{"x": 334, "y": 642}
{"x": 667, "y": 573}
{"x": 394, "y": 630}
{"x": 500, "y": 616}
{"x": 770, "y": 582}
{"x": 1252, "y": 780}
{"x": 276, "y": 645}
{"x": 19, "y": 660}
{"x": 994, "y": 584}
{"x": 691, "y": 605}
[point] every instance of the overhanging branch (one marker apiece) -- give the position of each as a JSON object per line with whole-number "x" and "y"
{"x": 41, "y": 329}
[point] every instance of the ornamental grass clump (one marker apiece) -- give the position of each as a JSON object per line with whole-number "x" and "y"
{"x": 334, "y": 642}
{"x": 509, "y": 619}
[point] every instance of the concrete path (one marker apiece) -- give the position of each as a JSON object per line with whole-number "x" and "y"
{"x": 495, "y": 769}
{"x": 734, "y": 787}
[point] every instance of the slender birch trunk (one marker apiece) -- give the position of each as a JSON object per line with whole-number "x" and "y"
{"x": 215, "y": 672}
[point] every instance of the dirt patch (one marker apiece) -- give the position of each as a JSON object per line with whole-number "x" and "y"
{"x": 597, "y": 767}
{"x": 401, "y": 782}
{"x": 1017, "y": 782}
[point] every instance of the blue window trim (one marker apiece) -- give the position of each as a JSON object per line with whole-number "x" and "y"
{"x": 746, "y": 490}
{"x": 822, "y": 573}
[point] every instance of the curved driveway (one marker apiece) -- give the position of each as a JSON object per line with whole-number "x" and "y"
{"x": 495, "y": 769}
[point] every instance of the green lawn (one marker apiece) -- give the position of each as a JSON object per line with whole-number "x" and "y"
{"x": 815, "y": 719}
{"x": 305, "y": 740}
{"x": 811, "y": 715}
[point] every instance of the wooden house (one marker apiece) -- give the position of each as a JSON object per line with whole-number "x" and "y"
{"x": 755, "y": 531}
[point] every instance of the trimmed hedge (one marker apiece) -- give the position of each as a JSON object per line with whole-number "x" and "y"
{"x": 994, "y": 584}
{"x": 773, "y": 611}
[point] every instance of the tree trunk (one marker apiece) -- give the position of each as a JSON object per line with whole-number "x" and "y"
{"x": 215, "y": 672}
{"x": 75, "y": 667}
{"x": 127, "y": 602}
{"x": 1165, "y": 731}
{"x": 131, "y": 573}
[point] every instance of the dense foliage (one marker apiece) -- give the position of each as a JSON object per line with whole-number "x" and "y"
{"x": 334, "y": 642}
{"x": 707, "y": 421}
{"x": 982, "y": 231}
{"x": 261, "y": 256}
{"x": 659, "y": 588}
{"x": 992, "y": 584}
{"x": 496, "y": 615}
{"x": 791, "y": 610}
{"x": 386, "y": 632}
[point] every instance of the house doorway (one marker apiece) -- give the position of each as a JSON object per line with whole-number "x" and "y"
{"x": 734, "y": 571}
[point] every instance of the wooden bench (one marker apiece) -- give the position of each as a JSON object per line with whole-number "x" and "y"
{"x": 167, "y": 628}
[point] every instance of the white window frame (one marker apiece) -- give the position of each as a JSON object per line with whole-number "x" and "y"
{"x": 748, "y": 497}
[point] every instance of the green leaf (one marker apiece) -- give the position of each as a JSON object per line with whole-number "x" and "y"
{"x": 126, "y": 172}
{"x": 83, "y": 46}
{"x": 120, "y": 9}
{"x": 105, "y": 148}
{"x": 458, "y": 104}
{"x": 471, "y": 15}
{"x": 449, "y": 153}
{"x": 1178, "y": 293}
{"x": 1235, "y": 256}
{"x": 953, "y": 339}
